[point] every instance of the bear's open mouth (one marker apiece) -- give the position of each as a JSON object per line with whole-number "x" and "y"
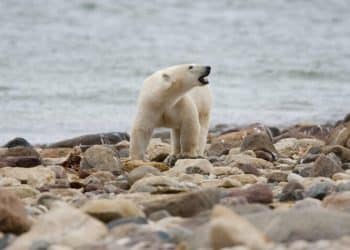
{"x": 203, "y": 78}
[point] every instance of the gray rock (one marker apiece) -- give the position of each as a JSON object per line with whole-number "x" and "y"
{"x": 292, "y": 191}
{"x": 140, "y": 172}
{"x": 259, "y": 142}
{"x": 326, "y": 166}
{"x": 309, "y": 224}
{"x": 320, "y": 189}
{"x": 101, "y": 158}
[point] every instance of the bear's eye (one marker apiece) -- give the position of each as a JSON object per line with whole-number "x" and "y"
{"x": 190, "y": 67}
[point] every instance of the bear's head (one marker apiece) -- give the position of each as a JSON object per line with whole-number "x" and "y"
{"x": 186, "y": 76}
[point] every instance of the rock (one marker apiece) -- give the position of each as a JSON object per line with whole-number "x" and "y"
{"x": 123, "y": 149}
{"x": 158, "y": 150}
{"x": 320, "y": 189}
{"x": 339, "y": 135}
{"x": 19, "y": 151}
{"x": 12, "y": 214}
{"x": 20, "y": 161}
{"x": 244, "y": 178}
{"x": 307, "y": 203}
{"x": 244, "y": 159}
{"x": 93, "y": 139}
{"x": 292, "y": 191}
{"x": 18, "y": 141}
{"x": 290, "y": 147}
{"x": 183, "y": 204}
{"x": 62, "y": 225}
{"x": 129, "y": 165}
{"x": 340, "y": 176}
{"x": 295, "y": 178}
{"x": 229, "y": 229}
{"x": 342, "y": 152}
{"x": 258, "y": 193}
{"x": 304, "y": 169}
{"x": 36, "y": 176}
{"x": 249, "y": 169}
{"x": 338, "y": 201}
{"x": 55, "y": 152}
{"x": 259, "y": 142}
{"x": 225, "y": 182}
{"x": 226, "y": 170}
{"x": 250, "y": 208}
{"x": 299, "y": 224}
{"x": 277, "y": 176}
{"x": 23, "y": 191}
{"x": 9, "y": 181}
{"x": 140, "y": 172}
{"x": 101, "y": 158}
{"x": 325, "y": 166}
{"x": 306, "y": 131}
{"x": 192, "y": 166}
{"x": 108, "y": 210}
{"x": 158, "y": 215}
{"x": 343, "y": 186}
{"x": 161, "y": 184}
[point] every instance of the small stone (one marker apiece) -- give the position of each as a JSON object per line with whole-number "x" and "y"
{"x": 160, "y": 184}
{"x": 249, "y": 169}
{"x": 129, "y": 165}
{"x": 140, "y": 172}
{"x": 192, "y": 166}
{"x": 245, "y": 159}
{"x": 184, "y": 204}
{"x": 23, "y": 191}
{"x": 229, "y": 229}
{"x": 158, "y": 150}
{"x": 307, "y": 203}
{"x": 259, "y": 142}
{"x": 245, "y": 178}
{"x": 343, "y": 186}
{"x": 277, "y": 176}
{"x": 258, "y": 193}
{"x": 158, "y": 215}
{"x": 320, "y": 189}
{"x": 108, "y": 210}
{"x": 36, "y": 176}
{"x": 325, "y": 166}
{"x": 12, "y": 214}
{"x": 101, "y": 158}
{"x": 338, "y": 201}
{"x": 292, "y": 191}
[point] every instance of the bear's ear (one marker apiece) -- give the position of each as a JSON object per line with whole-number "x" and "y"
{"x": 166, "y": 77}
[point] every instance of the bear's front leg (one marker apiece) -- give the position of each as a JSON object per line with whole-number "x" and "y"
{"x": 189, "y": 136}
{"x": 139, "y": 140}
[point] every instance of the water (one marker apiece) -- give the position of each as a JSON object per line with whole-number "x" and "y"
{"x": 74, "y": 67}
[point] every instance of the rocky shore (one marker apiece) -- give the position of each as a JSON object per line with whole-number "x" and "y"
{"x": 258, "y": 187}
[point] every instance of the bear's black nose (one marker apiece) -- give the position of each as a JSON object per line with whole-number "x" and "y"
{"x": 208, "y": 69}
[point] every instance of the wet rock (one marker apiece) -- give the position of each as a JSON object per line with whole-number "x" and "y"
{"x": 320, "y": 189}
{"x": 184, "y": 204}
{"x": 277, "y": 176}
{"x": 65, "y": 225}
{"x": 338, "y": 201}
{"x": 245, "y": 159}
{"x": 192, "y": 166}
{"x": 129, "y": 165}
{"x": 101, "y": 158}
{"x": 325, "y": 166}
{"x": 292, "y": 191}
{"x": 157, "y": 150}
{"x": 12, "y": 214}
{"x": 93, "y": 139}
{"x": 300, "y": 224}
{"x": 258, "y": 193}
{"x": 229, "y": 229}
{"x": 36, "y": 176}
{"x": 140, "y": 172}
{"x": 161, "y": 184}
{"x": 108, "y": 210}
{"x": 18, "y": 141}
{"x": 259, "y": 142}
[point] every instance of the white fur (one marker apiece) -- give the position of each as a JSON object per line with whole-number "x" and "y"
{"x": 173, "y": 98}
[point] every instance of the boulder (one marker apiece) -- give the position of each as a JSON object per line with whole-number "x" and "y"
{"x": 62, "y": 225}
{"x": 101, "y": 158}
{"x": 13, "y": 215}
{"x": 140, "y": 172}
{"x": 325, "y": 166}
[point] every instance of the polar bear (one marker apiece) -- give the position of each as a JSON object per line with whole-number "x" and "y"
{"x": 179, "y": 98}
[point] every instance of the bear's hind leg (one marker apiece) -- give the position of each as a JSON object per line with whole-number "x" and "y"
{"x": 175, "y": 141}
{"x": 139, "y": 140}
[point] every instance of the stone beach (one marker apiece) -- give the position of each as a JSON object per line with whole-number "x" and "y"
{"x": 257, "y": 187}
